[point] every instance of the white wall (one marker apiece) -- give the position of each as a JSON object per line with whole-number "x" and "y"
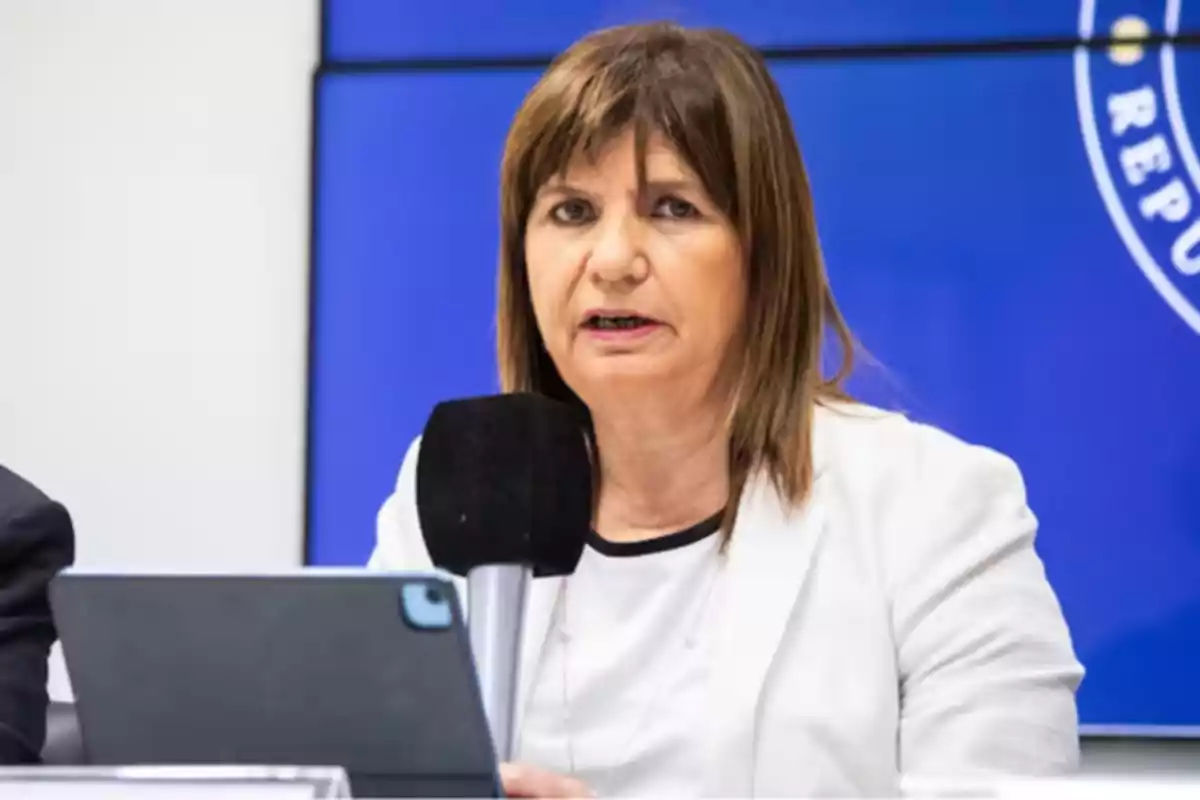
{"x": 154, "y": 163}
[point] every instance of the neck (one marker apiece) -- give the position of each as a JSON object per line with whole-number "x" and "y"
{"x": 662, "y": 469}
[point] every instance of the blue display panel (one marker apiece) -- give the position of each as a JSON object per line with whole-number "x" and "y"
{"x": 405, "y": 250}
{"x": 971, "y": 243}
{"x": 388, "y": 29}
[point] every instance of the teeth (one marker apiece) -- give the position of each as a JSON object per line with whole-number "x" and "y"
{"x": 611, "y": 323}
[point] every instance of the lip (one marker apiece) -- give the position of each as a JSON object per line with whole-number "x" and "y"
{"x": 619, "y": 335}
{"x": 615, "y": 312}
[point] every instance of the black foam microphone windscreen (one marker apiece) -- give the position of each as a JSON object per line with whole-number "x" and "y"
{"x": 505, "y": 479}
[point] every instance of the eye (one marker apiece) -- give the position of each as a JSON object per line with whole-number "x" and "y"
{"x": 572, "y": 212}
{"x": 675, "y": 208}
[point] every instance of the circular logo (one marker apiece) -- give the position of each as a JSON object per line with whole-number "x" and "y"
{"x": 1131, "y": 112}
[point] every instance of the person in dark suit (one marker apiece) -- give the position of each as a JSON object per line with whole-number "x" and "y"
{"x": 37, "y": 540}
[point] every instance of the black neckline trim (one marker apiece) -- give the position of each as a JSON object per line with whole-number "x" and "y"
{"x": 659, "y": 544}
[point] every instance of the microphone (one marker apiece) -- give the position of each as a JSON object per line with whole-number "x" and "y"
{"x": 504, "y": 493}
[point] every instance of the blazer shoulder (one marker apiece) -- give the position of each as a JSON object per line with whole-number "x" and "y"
{"x": 31, "y": 522}
{"x": 17, "y": 495}
{"x": 399, "y": 544}
{"x": 918, "y": 492}
{"x": 869, "y": 445}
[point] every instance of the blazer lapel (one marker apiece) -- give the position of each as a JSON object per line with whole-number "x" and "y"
{"x": 768, "y": 560}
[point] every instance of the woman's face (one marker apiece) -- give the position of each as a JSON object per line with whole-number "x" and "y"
{"x": 634, "y": 291}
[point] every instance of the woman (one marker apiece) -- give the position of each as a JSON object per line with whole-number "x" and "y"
{"x": 786, "y": 593}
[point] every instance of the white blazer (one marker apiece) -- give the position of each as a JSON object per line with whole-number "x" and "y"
{"x": 898, "y": 624}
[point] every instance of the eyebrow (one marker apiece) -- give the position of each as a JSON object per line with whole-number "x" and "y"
{"x": 561, "y": 189}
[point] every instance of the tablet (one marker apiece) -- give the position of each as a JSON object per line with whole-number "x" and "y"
{"x": 367, "y": 671}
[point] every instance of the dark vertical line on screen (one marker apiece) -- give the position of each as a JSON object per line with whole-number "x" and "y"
{"x": 324, "y": 15}
{"x": 311, "y": 340}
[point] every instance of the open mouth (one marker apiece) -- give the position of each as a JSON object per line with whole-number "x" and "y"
{"x": 605, "y": 322}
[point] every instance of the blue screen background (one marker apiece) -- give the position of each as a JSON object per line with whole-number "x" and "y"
{"x": 964, "y": 234}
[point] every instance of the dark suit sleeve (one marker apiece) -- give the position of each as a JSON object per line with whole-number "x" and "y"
{"x": 36, "y": 541}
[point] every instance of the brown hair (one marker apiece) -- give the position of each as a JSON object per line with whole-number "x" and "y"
{"x": 711, "y": 97}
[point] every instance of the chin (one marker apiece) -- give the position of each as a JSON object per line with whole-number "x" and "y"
{"x": 633, "y": 374}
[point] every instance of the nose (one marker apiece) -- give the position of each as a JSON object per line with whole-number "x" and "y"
{"x": 617, "y": 256}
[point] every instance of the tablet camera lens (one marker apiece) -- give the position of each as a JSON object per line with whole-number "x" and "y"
{"x": 425, "y": 606}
